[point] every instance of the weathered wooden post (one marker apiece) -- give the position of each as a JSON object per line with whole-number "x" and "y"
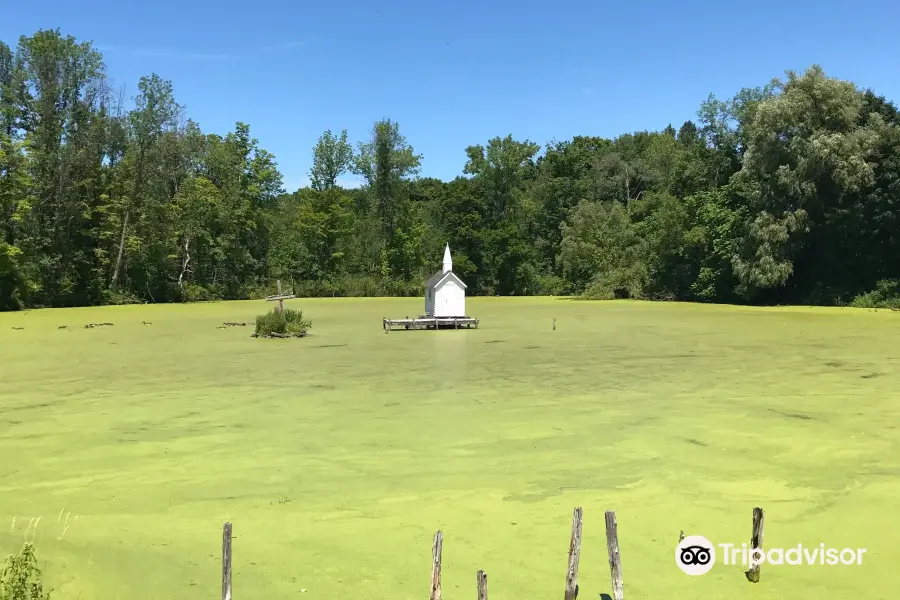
{"x": 756, "y": 542}
{"x": 574, "y": 556}
{"x": 280, "y": 297}
{"x": 481, "y": 579}
{"x": 226, "y": 562}
{"x": 436, "y": 549}
{"x": 615, "y": 561}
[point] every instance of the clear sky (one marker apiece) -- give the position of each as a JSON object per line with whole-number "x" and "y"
{"x": 458, "y": 72}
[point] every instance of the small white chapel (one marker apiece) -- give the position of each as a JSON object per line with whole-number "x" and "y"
{"x": 445, "y": 292}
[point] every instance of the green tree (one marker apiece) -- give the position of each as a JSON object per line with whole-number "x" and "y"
{"x": 154, "y": 115}
{"x": 195, "y": 215}
{"x": 807, "y": 157}
{"x": 332, "y": 156}
{"x": 601, "y": 252}
{"x": 387, "y": 162}
{"x": 460, "y": 213}
{"x": 499, "y": 172}
{"x": 663, "y": 223}
{"x": 58, "y": 105}
{"x": 15, "y": 208}
{"x": 308, "y": 232}
{"x": 717, "y": 228}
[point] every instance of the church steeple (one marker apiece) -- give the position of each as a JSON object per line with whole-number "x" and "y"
{"x": 448, "y": 262}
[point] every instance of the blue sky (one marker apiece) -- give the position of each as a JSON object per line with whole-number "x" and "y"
{"x": 457, "y": 73}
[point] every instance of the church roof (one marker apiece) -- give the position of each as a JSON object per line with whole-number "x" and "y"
{"x": 438, "y": 277}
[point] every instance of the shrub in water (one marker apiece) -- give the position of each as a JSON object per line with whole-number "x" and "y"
{"x": 20, "y": 578}
{"x": 289, "y": 323}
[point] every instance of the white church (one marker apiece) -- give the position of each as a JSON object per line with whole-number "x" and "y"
{"x": 445, "y": 292}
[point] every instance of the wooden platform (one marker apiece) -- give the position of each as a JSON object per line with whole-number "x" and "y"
{"x": 423, "y": 322}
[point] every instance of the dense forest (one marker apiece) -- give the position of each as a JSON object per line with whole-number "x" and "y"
{"x": 787, "y": 193}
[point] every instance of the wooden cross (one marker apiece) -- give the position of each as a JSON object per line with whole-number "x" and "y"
{"x": 280, "y": 297}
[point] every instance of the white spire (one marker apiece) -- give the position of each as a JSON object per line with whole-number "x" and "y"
{"x": 448, "y": 262}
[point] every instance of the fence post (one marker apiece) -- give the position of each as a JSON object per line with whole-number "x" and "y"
{"x": 481, "y": 578}
{"x": 615, "y": 561}
{"x": 226, "y": 562}
{"x": 756, "y": 542}
{"x": 280, "y": 301}
{"x": 574, "y": 555}
{"x": 436, "y": 549}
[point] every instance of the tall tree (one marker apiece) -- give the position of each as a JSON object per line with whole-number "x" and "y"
{"x": 387, "y": 162}
{"x": 15, "y": 208}
{"x": 499, "y": 171}
{"x": 64, "y": 86}
{"x": 808, "y": 158}
{"x": 601, "y": 253}
{"x": 195, "y": 213}
{"x": 332, "y": 156}
{"x": 155, "y": 114}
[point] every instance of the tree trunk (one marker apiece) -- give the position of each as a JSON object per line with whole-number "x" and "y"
{"x": 137, "y": 190}
{"x": 120, "y": 255}
{"x": 185, "y": 262}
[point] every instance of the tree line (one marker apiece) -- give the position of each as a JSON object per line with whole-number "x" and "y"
{"x": 785, "y": 193}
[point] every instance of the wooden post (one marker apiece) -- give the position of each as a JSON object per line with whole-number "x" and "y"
{"x": 481, "y": 579}
{"x": 226, "y": 562}
{"x": 436, "y": 549}
{"x": 574, "y": 555}
{"x": 280, "y": 296}
{"x": 615, "y": 561}
{"x": 756, "y": 542}
{"x": 280, "y": 301}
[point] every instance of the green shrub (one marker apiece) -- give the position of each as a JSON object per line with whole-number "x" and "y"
{"x": 885, "y": 295}
{"x": 289, "y": 323}
{"x": 120, "y": 297}
{"x": 20, "y": 578}
{"x": 193, "y": 292}
{"x": 551, "y": 285}
{"x": 619, "y": 283}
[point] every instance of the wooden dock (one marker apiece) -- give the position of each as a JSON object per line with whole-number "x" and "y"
{"x": 423, "y": 322}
